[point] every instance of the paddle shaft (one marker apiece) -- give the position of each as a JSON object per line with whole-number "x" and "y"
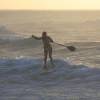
{"x": 71, "y": 48}
{"x": 60, "y": 44}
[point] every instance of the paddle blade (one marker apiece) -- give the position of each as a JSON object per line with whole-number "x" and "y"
{"x": 71, "y": 48}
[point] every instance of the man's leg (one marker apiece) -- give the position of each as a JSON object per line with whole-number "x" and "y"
{"x": 50, "y": 56}
{"x": 45, "y": 58}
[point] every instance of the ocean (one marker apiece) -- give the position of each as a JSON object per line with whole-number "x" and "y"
{"x": 76, "y": 75}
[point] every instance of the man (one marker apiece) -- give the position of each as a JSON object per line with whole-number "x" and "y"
{"x": 47, "y": 47}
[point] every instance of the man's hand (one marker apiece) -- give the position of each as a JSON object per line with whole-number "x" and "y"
{"x": 33, "y": 36}
{"x": 52, "y": 41}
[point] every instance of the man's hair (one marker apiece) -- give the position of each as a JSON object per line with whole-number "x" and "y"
{"x": 44, "y": 33}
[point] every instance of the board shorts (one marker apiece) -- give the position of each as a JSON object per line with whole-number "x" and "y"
{"x": 48, "y": 49}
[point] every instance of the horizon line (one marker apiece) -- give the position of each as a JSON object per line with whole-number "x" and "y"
{"x": 49, "y": 9}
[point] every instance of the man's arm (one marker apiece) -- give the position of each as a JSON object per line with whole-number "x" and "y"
{"x": 35, "y": 37}
{"x": 51, "y": 40}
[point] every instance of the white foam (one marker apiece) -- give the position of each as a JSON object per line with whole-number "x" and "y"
{"x": 31, "y": 66}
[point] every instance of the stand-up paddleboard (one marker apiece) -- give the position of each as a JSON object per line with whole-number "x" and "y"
{"x": 50, "y": 68}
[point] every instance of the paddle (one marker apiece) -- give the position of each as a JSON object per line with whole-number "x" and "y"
{"x": 71, "y": 48}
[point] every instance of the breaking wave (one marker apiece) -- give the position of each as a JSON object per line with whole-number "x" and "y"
{"x": 21, "y": 70}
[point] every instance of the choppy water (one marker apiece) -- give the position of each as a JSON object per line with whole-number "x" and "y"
{"x": 76, "y": 75}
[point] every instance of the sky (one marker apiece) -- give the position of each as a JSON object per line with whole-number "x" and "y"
{"x": 50, "y": 4}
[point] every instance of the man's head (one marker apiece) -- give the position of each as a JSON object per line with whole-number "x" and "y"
{"x": 44, "y": 34}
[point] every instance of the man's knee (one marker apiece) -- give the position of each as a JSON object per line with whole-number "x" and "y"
{"x": 50, "y": 53}
{"x": 50, "y": 56}
{"x": 45, "y": 56}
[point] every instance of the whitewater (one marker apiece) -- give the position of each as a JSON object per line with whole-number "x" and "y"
{"x": 75, "y": 76}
